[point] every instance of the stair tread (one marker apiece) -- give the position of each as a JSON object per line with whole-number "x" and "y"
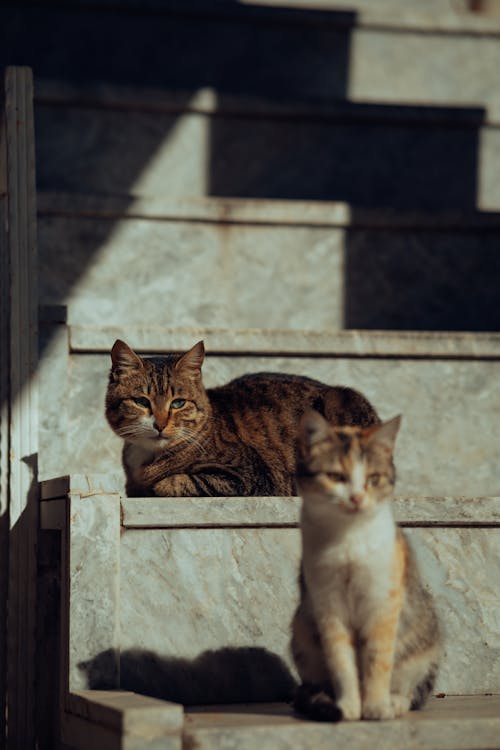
{"x": 260, "y": 211}
{"x": 448, "y": 722}
{"x": 201, "y": 512}
{"x": 157, "y": 339}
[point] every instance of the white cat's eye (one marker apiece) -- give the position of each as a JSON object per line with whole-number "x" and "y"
{"x": 336, "y": 476}
{"x": 373, "y": 479}
{"x": 178, "y": 403}
{"x": 142, "y": 401}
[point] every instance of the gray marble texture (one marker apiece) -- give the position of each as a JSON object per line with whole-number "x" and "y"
{"x": 448, "y": 440}
{"x": 268, "y": 276}
{"x": 383, "y": 68}
{"x": 261, "y": 341}
{"x": 312, "y": 154}
{"x": 195, "y": 273}
{"x": 184, "y": 591}
{"x": 453, "y": 723}
{"x": 91, "y": 587}
{"x": 200, "y": 512}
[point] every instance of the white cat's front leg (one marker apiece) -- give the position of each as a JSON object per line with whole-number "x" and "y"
{"x": 377, "y": 662}
{"x": 340, "y": 657}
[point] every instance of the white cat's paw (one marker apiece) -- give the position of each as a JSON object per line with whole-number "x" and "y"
{"x": 379, "y": 710}
{"x": 351, "y": 708}
{"x": 400, "y": 704}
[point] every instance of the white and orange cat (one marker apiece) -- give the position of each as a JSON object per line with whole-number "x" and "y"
{"x": 365, "y": 636}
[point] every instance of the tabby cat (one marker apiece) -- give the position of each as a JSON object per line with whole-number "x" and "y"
{"x": 239, "y": 439}
{"x": 365, "y": 637}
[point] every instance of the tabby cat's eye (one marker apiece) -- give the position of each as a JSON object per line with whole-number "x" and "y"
{"x": 142, "y": 401}
{"x": 373, "y": 479}
{"x": 336, "y": 476}
{"x": 178, "y": 403}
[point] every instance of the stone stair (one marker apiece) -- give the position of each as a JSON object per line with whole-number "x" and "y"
{"x": 310, "y": 188}
{"x": 452, "y": 722}
{"x": 189, "y": 600}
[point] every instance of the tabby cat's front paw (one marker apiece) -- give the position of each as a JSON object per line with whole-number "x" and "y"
{"x": 350, "y": 708}
{"x": 379, "y": 710}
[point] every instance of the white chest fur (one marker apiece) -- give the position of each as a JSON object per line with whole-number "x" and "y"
{"x": 138, "y": 454}
{"x": 349, "y": 567}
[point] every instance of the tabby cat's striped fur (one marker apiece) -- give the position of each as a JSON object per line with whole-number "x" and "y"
{"x": 239, "y": 439}
{"x": 365, "y": 636}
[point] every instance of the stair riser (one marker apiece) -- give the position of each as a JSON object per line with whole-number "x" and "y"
{"x": 225, "y": 580}
{"x": 274, "y": 276}
{"x": 426, "y": 161}
{"x": 313, "y": 54}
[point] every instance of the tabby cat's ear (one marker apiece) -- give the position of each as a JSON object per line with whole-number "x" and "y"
{"x": 123, "y": 358}
{"x": 312, "y": 428}
{"x": 192, "y": 360}
{"x": 383, "y": 434}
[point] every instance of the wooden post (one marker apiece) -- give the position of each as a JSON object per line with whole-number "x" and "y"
{"x": 19, "y": 416}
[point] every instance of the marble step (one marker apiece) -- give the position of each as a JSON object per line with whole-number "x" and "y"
{"x": 184, "y": 587}
{"x": 444, "y": 384}
{"x": 324, "y": 53}
{"x": 209, "y": 143}
{"x": 264, "y": 264}
{"x": 448, "y": 723}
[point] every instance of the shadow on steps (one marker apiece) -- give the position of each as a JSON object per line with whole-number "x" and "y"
{"x": 226, "y": 675}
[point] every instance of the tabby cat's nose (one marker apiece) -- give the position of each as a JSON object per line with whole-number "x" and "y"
{"x": 356, "y": 500}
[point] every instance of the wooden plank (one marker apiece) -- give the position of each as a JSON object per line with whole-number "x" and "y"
{"x": 54, "y": 488}
{"x": 53, "y": 514}
{"x": 348, "y": 343}
{"x": 79, "y": 734}
{"x": 4, "y": 442}
{"x": 18, "y": 162}
{"x": 211, "y": 512}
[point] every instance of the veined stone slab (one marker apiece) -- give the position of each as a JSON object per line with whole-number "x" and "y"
{"x": 273, "y": 151}
{"x": 184, "y": 591}
{"x": 202, "y": 512}
{"x": 268, "y": 276}
{"x": 226, "y": 270}
{"x": 448, "y": 439}
{"x": 90, "y": 587}
{"x": 426, "y": 344}
{"x": 451, "y": 723}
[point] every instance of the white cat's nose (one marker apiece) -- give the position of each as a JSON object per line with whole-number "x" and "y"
{"x": 356, "y": 499}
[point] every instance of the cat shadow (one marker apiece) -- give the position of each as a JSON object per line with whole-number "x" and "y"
{"x": 225, "y": 675}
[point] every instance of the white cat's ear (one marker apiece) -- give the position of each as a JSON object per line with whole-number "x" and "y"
{"x": 384, "y": 433}
{"x": 313, "y": 428}
{"x": 193, "y": 359}
{"x": 123, "y": 358}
